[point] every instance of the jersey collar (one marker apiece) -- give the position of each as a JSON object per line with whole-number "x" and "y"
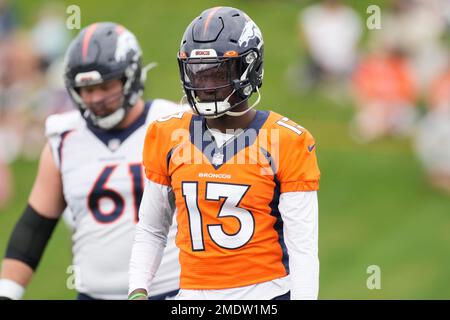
{"x": 114, "y": 138}
{"x": 202, "y": 138}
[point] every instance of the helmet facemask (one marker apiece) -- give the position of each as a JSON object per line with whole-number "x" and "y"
{"x": 215, "y": 85}
{"x": 110, "y": 120}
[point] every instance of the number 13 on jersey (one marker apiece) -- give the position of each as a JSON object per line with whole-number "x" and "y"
{"x": 232, "y": 195}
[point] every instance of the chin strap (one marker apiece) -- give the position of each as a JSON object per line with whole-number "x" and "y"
{"x": 230, "y": 113}
{"x": 146, "y": 69}
{"x": 109, "y": 121}
{"x": 183, "y": 101}
{"x": 240, "y": 113}
{"x": 218, "y": 105}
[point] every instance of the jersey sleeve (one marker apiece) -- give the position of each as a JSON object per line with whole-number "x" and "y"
{"x": 153, "y": 157}
{"x": 298, "y": 168}
{"x": 163, "y": 108}
{"x": 155, "y": 219}
{"x": 300, "y": 212}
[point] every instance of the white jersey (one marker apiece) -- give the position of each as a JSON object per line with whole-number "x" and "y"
{"x": 102, "y": 180}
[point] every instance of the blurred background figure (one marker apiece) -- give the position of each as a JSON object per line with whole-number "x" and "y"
{"x": 403, "y": 28}
{"x": 8, "y": 137}
{"x": 5, "y": 184}
{"x": 403, "y": 60}
{"x": 20, "y": 77}
{"x": 7, "y": 19}
{"x": 49, "y": 35}
{"x": 330, "y": 32}
{"x": 49, "y": 38}
{"x": 385, "y": 95}
{"x": 432, "y": 141}
{"x": 31, "y": 86}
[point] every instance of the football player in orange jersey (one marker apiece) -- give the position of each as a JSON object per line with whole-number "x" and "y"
{"x": 244, "y": 181}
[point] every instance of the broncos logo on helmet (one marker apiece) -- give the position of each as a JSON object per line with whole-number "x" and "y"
{"x": 251, "y": 31}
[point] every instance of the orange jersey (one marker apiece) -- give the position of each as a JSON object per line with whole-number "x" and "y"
{"x": 229, "y": 227}
{"x": 385, "y": 78}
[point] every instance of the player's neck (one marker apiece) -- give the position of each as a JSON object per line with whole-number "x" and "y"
{"x": 132, "y": 114}
{"x": 229, "y": 122}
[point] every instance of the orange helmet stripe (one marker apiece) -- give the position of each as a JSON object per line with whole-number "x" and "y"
{"x": 87, "y": 38}
{"x": 208, "y": 19}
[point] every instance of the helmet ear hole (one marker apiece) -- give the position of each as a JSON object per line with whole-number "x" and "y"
{"x": 251, "y": 57}
{"x": 248, "y": 90}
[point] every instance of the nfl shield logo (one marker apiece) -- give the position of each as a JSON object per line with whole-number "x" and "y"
{"x": 217, "y": 159}
{"x": 113, "y": 144}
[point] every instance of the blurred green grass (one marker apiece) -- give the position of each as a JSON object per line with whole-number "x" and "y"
{"x": 375, "y": 206}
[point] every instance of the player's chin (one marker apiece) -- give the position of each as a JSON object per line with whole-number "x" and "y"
{"x": 210, "y": 100}
{"x": 101, "y": 113}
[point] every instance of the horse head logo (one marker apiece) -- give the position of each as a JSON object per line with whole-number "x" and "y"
{"x": 251, "y": 31}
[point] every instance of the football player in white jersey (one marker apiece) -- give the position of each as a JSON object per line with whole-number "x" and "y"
{"x": 91, "y": 166}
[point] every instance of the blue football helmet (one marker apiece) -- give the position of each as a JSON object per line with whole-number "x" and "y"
{"x": 104, "y": 51}
{"x": 226, "y": 41}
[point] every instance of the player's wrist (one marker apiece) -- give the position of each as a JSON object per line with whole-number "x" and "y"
{"x": 138, "y": 294}
{"x": 11, "y": 289}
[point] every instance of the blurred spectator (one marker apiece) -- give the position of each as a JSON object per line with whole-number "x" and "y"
{"x": 404, "y": 28}
{"x": 5, "y": 184}
{"x": 330, "y": 32}
{"x": 8, "y": 21}
{"x": 31, "y": 83}
{"x": 439, "y": 97}
{"x": 47, "y": 99}
{"x": 440, "y": 7}
{"x": 432, "y": 141}
{"x": 50, "y": 36}
{"x": 19, "y": 77}
{"x": 385, "y": 95}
